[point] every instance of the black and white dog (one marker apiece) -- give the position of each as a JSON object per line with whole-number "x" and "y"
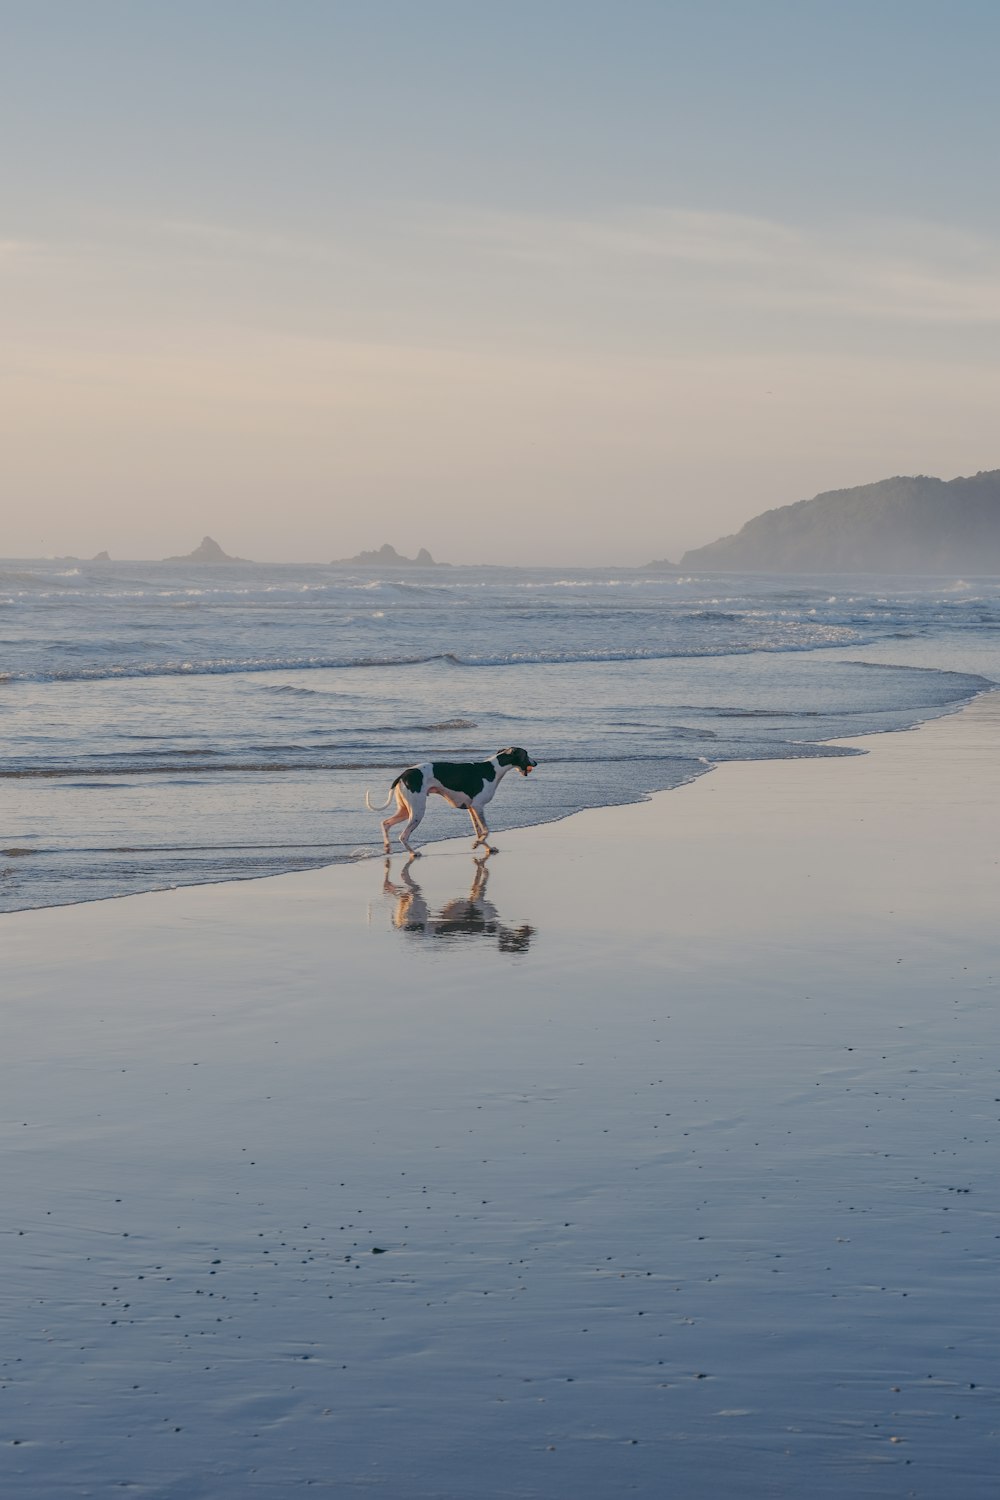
{"x": 468, "y": 784}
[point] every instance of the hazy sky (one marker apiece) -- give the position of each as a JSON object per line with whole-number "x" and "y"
{"x": 556, "y": 281}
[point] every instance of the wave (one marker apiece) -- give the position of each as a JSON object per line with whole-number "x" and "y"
{"x": 348, "y": 731}
{"x": 965, "y": 685}
{"x": 425, "y": 728}
{"x": 715, "y": 615}
{"x": 75, "y": 582}
{"x": 131, "y": 767}
{"x": 823, "y": 638}
{"x": 290, "y": 690}
{"x": 219, "y": 666}
{"x": 22, "y": 579}
{"x": 764, "y": 713}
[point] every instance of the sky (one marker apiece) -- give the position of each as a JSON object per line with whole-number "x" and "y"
{"x": 549, "y": 282}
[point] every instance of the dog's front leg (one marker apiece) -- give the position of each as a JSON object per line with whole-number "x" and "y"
{"x": 404, "y": 837}
{"x": 484, "y": 833}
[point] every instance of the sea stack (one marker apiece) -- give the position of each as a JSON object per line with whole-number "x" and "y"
{"x": 387, "y": 557}
{"x": 209, "y": 551}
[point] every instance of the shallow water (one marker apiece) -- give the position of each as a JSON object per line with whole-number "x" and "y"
{"x": 166, "y": 725}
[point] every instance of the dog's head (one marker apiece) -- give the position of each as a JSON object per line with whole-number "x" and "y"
{"x": 515, "y": 756}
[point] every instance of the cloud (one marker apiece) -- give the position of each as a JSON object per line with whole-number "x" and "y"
{"x": 878, "y": 269}
{"x": 19, "y": 254}
{"x": 231, "y": 241}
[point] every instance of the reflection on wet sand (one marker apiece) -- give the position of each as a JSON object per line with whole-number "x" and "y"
{"x": 462, "y": 917}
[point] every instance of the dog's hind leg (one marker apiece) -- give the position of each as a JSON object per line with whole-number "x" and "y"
{"x": 415, "y": 807}
{"x": 399, "y": 816}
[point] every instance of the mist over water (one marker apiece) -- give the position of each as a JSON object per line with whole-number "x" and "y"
{"x": 167, "y": 724}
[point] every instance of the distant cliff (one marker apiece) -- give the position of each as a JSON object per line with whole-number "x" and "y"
{"x": 209, "y": 551}
{"x": 904, "y": 525}
{"x": 388, "y": 557}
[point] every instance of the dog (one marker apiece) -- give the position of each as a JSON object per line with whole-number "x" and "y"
{"x": 468, "y": 784}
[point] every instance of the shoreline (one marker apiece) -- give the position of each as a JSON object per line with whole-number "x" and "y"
{"x": 839, "y": 747}
{"x": 657, "y": 1152}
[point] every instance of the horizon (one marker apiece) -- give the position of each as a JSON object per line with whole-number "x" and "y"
{"x": 405, "y": 560}
{"x": 569, "y": 288}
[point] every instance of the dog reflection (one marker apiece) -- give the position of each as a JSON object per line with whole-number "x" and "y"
{"x": 464, "y": 917}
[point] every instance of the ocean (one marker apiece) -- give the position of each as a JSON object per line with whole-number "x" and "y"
{"x": 169, "y": 724}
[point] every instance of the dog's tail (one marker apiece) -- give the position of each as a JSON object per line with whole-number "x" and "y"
{"x": 371, "y": 806}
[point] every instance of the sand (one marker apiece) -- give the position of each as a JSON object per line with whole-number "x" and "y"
{"x": 667, "y": 1167}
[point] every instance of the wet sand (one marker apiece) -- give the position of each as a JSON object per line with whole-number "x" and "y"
{"x": 656, "y": 1157}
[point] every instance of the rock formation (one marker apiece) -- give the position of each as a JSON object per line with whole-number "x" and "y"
{"x": 388, "y": 557}
{"x": 208, "y": 552}
{"x": 910, "y": 524}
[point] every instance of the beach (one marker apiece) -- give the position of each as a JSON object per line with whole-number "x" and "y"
{"x": 656, "y": 1156}
{"x": 171, "y": 725}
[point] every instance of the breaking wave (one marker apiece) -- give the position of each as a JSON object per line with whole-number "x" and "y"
{"x": 831, "y": 636}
